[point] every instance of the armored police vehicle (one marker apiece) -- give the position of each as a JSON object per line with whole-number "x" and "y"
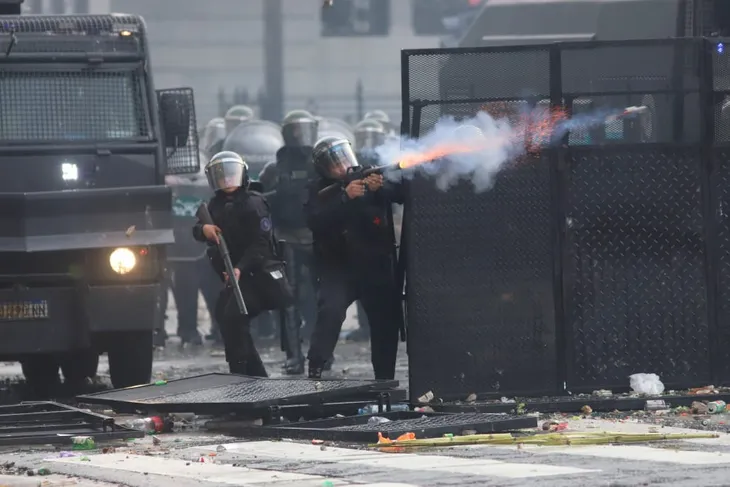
{"x": 85, "y": 144}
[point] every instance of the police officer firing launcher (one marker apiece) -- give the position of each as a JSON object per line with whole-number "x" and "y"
{"x": 242, "y": 218}
{"x": 353, "y": 252}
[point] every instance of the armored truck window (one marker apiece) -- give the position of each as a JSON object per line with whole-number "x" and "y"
{"x": 71, "y": 106}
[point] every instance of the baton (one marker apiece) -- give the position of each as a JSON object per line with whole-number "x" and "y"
{"x": 204, "y": 216}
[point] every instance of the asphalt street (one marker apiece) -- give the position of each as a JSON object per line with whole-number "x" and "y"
{"x": 195, "y": 457}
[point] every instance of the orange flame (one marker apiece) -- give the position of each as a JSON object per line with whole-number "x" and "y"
{"x": 531, "y": 130}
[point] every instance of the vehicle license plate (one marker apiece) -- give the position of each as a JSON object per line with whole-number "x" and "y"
{"x": 24, "y": 310}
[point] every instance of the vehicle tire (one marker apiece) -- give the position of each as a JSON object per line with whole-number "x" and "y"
{"x": 130, "y": 358}
{"x": 41, "y": 376}
{"x": 80, "y": 365}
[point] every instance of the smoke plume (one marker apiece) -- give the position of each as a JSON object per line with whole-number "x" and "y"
{"x": 465, "y": 154}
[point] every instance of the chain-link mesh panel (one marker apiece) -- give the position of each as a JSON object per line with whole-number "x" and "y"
{"x": 72, "y": 34}
{"x": 179, "y": 127}
{"x": 71, "y": 106}
{"x": 635, "y": 275}
{"x": 624, "y": 68}
{"x": 507, "y": 74}
{"x": 480, "y": 292}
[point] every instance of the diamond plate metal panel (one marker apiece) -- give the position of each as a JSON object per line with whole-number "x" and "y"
{"x": 635, "y": 276}
{"x": 226, "y": 390}
{"x": 479, "y": 286}
{"x": 721, "y": 202}
{"x": 362, "y": 428}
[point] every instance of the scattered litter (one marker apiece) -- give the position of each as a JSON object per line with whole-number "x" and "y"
{"x": 83, "y": 443}
{"x": 587, "y": 410}
{"x": 655, "y": 405}
{"x": 220, "y": 448}
{"x": 426, "y": 398}
{"x": 471, "y": 397}
{"x": 545, "y": 439}
{"x": 505, "y": 400}
{"x": 698, "y": 407}
{"x": 318, "y": 442}
{"x": 603, "y": 393}
{"x": 156, "y": 441}
{"x": 66, "y": 454}
{"x": 716, "y": 407}
{"x": 703, "y": 390}
{"x": 85, "y": 459}
{"x": 424, "y": 409}
{"x": 554, "y": 426}
{"x": 130, "y": 231}
{"x": 646, "y": 384}
{"x": 378, "y": 420}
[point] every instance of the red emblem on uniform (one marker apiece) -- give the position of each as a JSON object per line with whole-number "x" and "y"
{"x": 376, "y": 220}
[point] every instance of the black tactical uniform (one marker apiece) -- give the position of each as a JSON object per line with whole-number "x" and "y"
{"x": 245, "y": 221}
{"x": 258, "y": 141}
{"x": 353, "y": 250}
{"x": 287, "y": 181}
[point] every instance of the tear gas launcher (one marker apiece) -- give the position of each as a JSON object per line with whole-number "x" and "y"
{"x": 204, "y": 216}
{"x": 354, "y": 175}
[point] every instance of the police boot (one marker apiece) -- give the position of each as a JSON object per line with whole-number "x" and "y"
{"x": 292, "y": 342}
{"x": 315, "y": 370}
{"x": 237, "y": 367}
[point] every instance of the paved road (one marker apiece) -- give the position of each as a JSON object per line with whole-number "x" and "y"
{"x": 176, "y": 461}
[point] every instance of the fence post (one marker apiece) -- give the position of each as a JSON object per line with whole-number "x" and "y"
{"x": 557, "y": 159}
{"x": 359, "y": 100}
{"x": 703, "y": 50}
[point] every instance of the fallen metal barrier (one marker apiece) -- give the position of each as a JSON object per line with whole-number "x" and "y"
{"x": 40, "y": 423}
{"x": 365, "y": 428}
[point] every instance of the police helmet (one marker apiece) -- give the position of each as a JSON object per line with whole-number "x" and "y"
{"x": 381, "y": 117}
{"x": 333, "y": 157}
{"x": 369, "y": 134}
{"x": 299, "y": 129}
{"x": 214, "y": 132}
{"x": 227, "y": 170}
{"x": 257, "y": 141}
{"x": 236, "y": 115}
{"x": 334, "y": 127}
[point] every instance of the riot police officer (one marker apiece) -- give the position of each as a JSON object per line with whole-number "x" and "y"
{"x": 236, "y": 115}
{"x": 213, "y": 135}
{"x": 258, "y": 141}
{"x": 189, "y": 270}
{"x": 244, "y": 219}
{"x": 353, "y": 256}
{"x": 369, "y": 135}
{"x": 286, "y": 181}
{"x": 383, "y": 118}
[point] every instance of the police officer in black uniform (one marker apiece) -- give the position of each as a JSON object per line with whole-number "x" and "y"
{"x": 353, "y": 249}
{"x": 243, "y": 217}
{"x": 286, "y": 181}
{"x": 369, "y": 135}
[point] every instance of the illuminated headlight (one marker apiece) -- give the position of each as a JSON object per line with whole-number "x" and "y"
{"x": 122, "y": 260}
{"x": 69, "y": 171}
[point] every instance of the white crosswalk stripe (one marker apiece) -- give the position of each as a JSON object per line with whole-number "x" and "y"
{"x": 285, "y": 463}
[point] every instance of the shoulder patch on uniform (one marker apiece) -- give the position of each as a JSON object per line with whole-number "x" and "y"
{"x": 266, "y": 224}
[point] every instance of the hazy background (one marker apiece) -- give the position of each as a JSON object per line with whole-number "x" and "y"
{"x": 220, "y": 47}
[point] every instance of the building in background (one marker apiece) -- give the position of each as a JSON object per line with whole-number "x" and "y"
{"x": 328, "y": 57}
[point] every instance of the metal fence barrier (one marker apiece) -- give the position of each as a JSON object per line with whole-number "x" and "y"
{"x": 606, "y": 254}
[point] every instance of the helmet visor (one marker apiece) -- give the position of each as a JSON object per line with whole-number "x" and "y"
{"x": 337, "y": 160}
{"x": 300, "y": 133}
{"x": 368, "y": 140}
{"x": 225, "y": 174}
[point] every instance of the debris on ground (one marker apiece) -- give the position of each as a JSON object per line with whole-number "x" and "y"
{"x": 542, "y": 439}
{"x": 648, "y": 384}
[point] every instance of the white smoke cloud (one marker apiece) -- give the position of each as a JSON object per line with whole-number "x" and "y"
{"x": 479, "y": 166}
{"x": 502, "y": 142}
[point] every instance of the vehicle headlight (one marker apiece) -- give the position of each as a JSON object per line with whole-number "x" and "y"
{"x": 122, "y": 260}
